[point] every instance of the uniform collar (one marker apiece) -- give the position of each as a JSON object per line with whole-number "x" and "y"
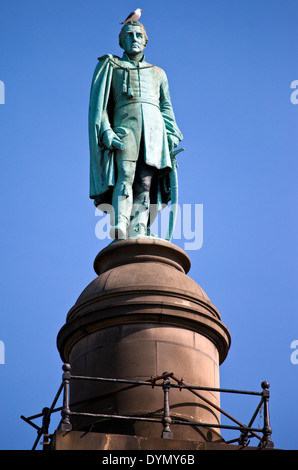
{"x": 127, "y": 59}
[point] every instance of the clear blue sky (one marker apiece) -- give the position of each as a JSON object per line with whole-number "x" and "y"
{"x": 230, "y": 65}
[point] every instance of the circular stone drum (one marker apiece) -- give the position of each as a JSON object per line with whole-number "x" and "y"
{"x": 143, "y": 316}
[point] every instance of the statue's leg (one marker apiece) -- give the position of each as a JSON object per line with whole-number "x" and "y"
{"x": 141, "y": 199}
{"x": 122, "y": 198}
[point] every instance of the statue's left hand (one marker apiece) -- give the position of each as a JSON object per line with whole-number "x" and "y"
{"x": 110, "y": 140}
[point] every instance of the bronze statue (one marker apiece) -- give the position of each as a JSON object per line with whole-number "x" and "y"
{"x": 132, "y": 134}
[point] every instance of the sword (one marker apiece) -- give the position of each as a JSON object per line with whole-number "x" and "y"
{"x": 174, "y": 193}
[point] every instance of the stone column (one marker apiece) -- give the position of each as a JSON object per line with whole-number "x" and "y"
{"x": 140, "y": 317}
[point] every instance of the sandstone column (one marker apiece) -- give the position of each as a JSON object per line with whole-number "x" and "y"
{"x": 141, "y": 316}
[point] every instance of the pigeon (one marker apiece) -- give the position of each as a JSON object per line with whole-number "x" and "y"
{"x": 133, "y": 16}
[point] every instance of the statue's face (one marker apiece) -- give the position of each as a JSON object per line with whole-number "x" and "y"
{"x": 133, "y": 40}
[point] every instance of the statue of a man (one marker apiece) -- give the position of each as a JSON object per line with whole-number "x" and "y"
{"x": 132, "y": 132}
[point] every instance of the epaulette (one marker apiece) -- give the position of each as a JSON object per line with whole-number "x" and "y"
{"x": 111, "y": 56}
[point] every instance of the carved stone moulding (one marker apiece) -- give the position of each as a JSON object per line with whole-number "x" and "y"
{"x": 141, "y": 316}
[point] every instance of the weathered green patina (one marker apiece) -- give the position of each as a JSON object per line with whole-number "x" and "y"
{"x": 132, "y": 135}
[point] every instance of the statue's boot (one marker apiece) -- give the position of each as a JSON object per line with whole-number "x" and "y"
{"x": 119, "y": 231}
{"x": 120, "y": 219}
{"x": 139, "y": 219}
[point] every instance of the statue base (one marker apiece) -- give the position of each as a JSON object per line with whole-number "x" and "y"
{"x": 140, "y": 317}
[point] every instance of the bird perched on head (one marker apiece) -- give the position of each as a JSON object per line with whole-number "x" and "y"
{"x": 133, "y": 16}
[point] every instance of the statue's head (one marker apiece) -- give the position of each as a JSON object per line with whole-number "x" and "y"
{"x": 133, "y": 38}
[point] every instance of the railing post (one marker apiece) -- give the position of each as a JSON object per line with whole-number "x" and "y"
{"x": 267, "y": 431}
{"x": 65, "y": 424}
{"x": 244, "y": 441}
{"x": 166, "y": 420}
{"x": 45, "y": 427}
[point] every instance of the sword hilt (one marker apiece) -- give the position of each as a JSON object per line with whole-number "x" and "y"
{"x": 175, "y": 152}
{"x": 173, "y": 156}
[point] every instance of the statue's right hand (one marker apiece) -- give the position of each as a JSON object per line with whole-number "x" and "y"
{"x": 110, "y": 140}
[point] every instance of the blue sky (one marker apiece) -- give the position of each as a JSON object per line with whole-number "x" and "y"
{"x": 230, "y": 66}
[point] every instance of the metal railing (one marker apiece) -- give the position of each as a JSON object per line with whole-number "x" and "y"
{"x": 166, "y": 381}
